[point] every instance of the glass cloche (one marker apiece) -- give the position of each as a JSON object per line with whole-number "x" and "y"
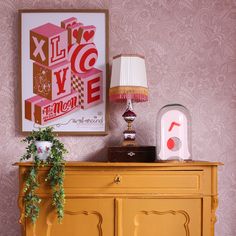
{"x": 174, "y": 133}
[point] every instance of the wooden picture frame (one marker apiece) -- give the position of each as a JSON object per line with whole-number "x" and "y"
{"x": 64, "y": 70}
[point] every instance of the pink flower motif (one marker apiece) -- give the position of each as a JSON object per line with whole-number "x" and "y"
{"x": 47, "y": 149}
{"x": 39, "y": 150}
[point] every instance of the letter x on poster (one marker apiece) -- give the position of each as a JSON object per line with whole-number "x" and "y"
{"x": 63, "y": 70}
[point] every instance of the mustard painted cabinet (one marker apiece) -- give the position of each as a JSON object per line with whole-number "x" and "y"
{"x": 129, "y": 199}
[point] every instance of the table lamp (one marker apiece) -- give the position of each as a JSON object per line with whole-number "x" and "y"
{"x": 128, "y": 84}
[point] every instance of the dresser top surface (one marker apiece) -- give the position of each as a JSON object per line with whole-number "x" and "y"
{"x": 131, "y": 164}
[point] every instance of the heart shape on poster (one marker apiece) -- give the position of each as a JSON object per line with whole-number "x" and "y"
{"x": 88, "y": 35}
{"x": 75, "y": 33}
{"x": 69, "y": 25}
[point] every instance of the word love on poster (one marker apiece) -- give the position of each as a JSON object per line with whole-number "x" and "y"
{"x": 65, "y": 79}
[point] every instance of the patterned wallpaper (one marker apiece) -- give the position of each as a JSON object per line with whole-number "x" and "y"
{"x": 190, "y": 49}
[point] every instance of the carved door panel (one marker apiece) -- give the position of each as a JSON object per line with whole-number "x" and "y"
{"x": 162, "y": 217}
{"x": 83, "y": 217}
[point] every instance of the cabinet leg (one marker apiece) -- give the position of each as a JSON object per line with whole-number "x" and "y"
{"x": 214, "y": 205}
{"x": 22, "y": 215}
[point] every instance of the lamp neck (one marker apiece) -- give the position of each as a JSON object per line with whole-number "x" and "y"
{"x": 129, "y": 104}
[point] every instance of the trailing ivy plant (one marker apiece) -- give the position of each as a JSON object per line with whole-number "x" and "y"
{"x": 55, "y": 177}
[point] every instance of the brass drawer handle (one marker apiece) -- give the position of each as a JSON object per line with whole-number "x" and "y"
{"x": 131, "y": 154}
{"x": 117, "y": 179}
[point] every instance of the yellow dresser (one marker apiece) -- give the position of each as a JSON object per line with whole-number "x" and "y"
{"x": 129, "y": 199}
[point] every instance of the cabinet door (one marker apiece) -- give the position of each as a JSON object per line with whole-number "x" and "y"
{"x": 158, "y": 217}
{"x": 83, "y": 217}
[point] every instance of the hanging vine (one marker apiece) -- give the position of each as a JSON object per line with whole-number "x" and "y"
{"x": 55, "y": 177}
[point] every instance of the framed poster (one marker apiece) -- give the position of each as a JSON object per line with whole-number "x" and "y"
{"x": 64, "y": 70}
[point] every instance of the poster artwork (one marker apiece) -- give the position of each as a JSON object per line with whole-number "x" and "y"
{"x": 65, "y": 78}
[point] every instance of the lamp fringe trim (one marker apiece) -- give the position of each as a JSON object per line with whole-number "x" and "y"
{"x": 121, "y": 93}
{"x": 136, "y": 93}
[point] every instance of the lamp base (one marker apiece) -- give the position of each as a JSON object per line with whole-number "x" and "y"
{"x": 129, "y": 134}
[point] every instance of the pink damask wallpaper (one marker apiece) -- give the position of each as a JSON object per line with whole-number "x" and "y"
{"x": 190, "y": 50}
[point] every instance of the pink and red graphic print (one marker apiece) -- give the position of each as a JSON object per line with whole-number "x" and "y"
{"x": 65, "y": 79}
{"x": 52, "y": 82}
{"x": 89, "y": 87}
{"x": 82, "y": 57}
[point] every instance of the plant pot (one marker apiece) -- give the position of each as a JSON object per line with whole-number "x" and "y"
{"x": 43, "y": 149}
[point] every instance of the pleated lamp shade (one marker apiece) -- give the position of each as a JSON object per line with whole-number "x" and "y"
{"x": 128, "y": 79}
